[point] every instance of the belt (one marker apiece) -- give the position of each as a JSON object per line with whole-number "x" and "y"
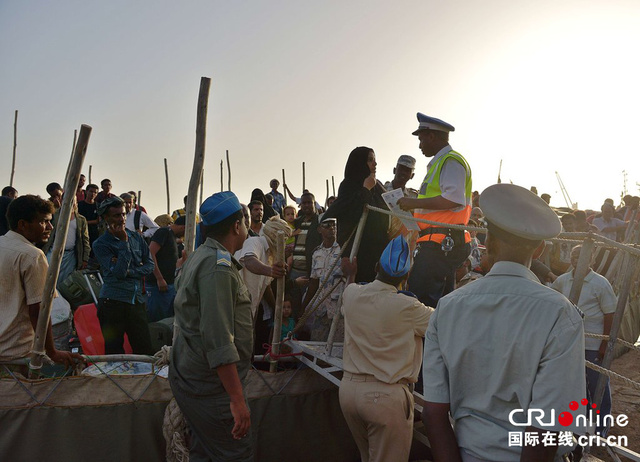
{"x": 370, "y": 378}
{"x": 455, "y": 233}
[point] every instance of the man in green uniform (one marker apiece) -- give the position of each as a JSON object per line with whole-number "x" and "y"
{"x": 211, "y": 354}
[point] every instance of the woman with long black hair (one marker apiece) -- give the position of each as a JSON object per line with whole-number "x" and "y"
{"x": 358, "y": 189}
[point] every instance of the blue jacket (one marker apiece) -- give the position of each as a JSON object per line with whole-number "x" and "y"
{"x": 123, "y": 264}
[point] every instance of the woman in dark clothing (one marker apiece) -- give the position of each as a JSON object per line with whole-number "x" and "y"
{"x": 258, "y": 195}
{"x": 359, "y": 188}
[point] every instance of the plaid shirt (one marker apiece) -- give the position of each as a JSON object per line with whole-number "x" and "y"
{"x": 123, "y": 264}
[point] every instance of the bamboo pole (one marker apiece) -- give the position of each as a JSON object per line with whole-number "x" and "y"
{"x": 90, "y": 182}
{"x": 15, "y": 145}
{"x": 277, "y": 320}
{"x": 333, "y": 185}
{"x": 198, "y": 163}
{"x": 70, "y": 184}
{"x": 221, "y": 178}
{"x": 581, "y": 270}
{"x": 228, "y": 171}
{"x": 354, "y": 252}
{"x": 623, "y": 296}
{"x": 304, "y": 179}
{"x": 166, "y": 176}
{"x": 201, "y": 188}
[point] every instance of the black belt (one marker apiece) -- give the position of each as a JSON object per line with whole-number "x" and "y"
{"x": 456, "y": 234}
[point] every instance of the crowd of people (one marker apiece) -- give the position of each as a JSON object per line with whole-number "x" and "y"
{"x": 488, "y": 325}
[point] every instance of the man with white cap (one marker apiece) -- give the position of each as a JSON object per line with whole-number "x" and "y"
{"x": 211, "y": 354}
{"x": 444, "y": 197}
{"x": 504, "y": 345}
{"x": 384, "y": 330}
{"x": 403, "y": 172}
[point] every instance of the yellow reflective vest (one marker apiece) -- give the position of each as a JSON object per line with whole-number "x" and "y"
{"x": 431, "y": 188}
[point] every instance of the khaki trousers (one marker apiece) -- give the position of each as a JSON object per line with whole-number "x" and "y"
{"x": 379, "y": 415}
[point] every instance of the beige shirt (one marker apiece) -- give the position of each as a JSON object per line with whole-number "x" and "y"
{"x": 383, "y": 332}
{"x": 23, "y": 270}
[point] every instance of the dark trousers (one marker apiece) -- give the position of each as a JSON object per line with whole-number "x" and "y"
{"x": 592, "y": 382}
{"x": 434, "y": 274}
{"x": 117, "y": 318}
{"x": 211, "y": 422}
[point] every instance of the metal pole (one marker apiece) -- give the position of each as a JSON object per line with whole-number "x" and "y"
{"x": 70, "y": 184}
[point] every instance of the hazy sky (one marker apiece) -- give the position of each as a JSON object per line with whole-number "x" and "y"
{"x": 543, "y": 86}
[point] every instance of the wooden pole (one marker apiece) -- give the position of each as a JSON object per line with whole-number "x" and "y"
{"x": 581, "y": 270}
{"x": 166, "y": 176}
{"x": 284, "y": 181}
{"x": 304, "y": 180}
{"x": 623, "y": 296}
{"x": 15, "y": 145}
{"x": 277, "y": 319}
{"x": 198, "y": 163}
{"x": 62, "y": 226}
{"x": 333, "y": 185}
{"x": 228, "y": 171}
{"x": 139, "y": 197}
{"x": 201, "y": 188}
{"x": 327, "y": 198}
{"x": 73, "y": 148}
{"x": 90, "y": 182}
{"x": 221, "y": 179}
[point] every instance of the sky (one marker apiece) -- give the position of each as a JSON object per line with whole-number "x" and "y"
{"x": 543, "y": 87}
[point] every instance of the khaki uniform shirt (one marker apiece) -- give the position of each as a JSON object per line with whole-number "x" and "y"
{"x": 213, "y": 316}
{"x": 383, "y": 332}
{"x": 23, "y": 270}
{"x": 502, "y": 343}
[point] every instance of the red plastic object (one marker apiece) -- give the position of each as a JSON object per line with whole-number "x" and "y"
{"x": 89, "y": 332}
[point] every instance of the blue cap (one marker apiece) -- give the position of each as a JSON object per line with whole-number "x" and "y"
{"x": 431, "y": 123}
{"x": 395, "y": 259}
{"x": 218, "y": 207}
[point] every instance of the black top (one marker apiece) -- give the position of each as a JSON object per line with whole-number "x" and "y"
{"x": 4, "y": 204}
{"x": 90, "y": 212}
{"x": 167, "y": 256}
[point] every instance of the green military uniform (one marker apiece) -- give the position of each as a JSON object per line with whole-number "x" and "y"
{"x": 213, "y": 318}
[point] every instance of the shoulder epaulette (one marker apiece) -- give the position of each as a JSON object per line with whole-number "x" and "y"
{"x": 224, "y": 258}
{"x": 408, "y": 293}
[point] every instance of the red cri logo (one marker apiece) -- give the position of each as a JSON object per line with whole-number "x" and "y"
{"x": 566, "y": 418}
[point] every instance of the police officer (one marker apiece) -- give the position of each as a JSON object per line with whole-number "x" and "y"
{"x": 504, "y": 343}
{"x": 211, "y": 354}
{"x": 382, "y": 351}
{"x": 444, "y": 197}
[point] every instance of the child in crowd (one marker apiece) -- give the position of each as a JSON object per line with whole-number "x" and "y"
{"x": 288, "y": 323}
{"x": 289, "y": 214}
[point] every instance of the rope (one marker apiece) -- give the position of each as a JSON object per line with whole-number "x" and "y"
{"x": 308, "y": 312}
{"x": 174, "y": 430}
{"x": 163, "y": 356}
{"x": 618, "y": 341}
{"x": 609, "y": 373}
{"x": 274, "y": 356}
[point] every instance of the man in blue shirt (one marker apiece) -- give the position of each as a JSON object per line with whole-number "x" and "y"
{"x": 124, "y": 260}
{"x": 279, "y": 201}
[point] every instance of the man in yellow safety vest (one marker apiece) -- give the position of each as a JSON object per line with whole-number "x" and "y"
{"x": 444, "y": 197}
